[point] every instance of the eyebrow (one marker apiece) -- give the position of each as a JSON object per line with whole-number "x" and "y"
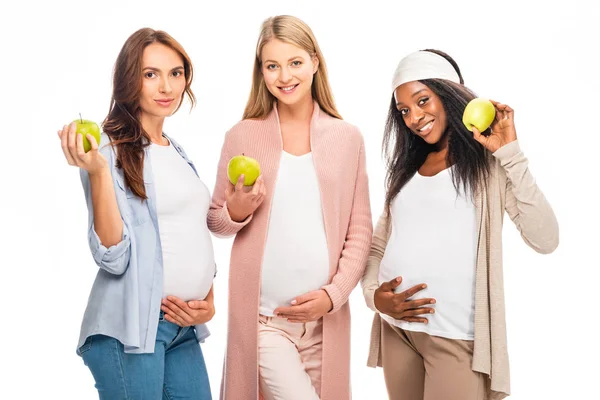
{"x": 157, "y": 69}
{"x": 413, "y": 95}
{"x": 271, "y": 61}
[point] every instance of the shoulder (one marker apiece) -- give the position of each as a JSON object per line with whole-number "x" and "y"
{"x": 351, "y": 131}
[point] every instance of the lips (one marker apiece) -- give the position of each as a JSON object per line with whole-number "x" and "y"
{"x": 288, "y": 89}
{"x": 426, "y": 128}
{"x": 164, "y": 102}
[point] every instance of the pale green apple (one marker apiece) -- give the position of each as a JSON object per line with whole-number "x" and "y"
{"x": 84, "y": 127}
{"x": 479, "y": 113}
{"x": 243, "y": 165}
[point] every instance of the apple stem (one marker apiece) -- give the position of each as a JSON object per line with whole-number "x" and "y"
{"x": 81, "y": 119}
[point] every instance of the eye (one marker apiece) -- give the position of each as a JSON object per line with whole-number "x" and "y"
{"x": 296, "y": 63}
{"x": 271, "y": 66}
{"x": 423, "y": 100}
{"x": 177, "y": 73}
{"x": 150, "y": 74}
{"x": 403, "y": 111}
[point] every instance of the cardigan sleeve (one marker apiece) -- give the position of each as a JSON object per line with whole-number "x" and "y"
{"x": 370, "y": 279}
{"x": 218, "y": 219}
{"x": 525, "y": 203}
{"x": 358, "y": 240}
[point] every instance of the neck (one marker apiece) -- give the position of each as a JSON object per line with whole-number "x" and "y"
{"x": 153, "y": 127}
{"x": 301, "y": 111}
{"x": 442, "y": 145}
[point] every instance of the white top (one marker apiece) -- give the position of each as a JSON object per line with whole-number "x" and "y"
{"x": 182, "y": 202}
{"x": 433, "y": 240}
{"x": 296, "y": 260}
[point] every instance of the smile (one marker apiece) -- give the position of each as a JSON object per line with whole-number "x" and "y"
{"x": 288, "y": 89}
{"x": 425, "y": 129}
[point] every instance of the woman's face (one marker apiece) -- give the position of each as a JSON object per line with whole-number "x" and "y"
{"x": 163, "y": 81}
{"x": 422, "y": 111}
{"x": 288, "y": 71}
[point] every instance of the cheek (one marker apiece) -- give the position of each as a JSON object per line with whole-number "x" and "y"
{"x": 269, "y": 77}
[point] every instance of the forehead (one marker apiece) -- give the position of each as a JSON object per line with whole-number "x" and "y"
{"x": 158, "y": 55}
{"x": 405, "y": 92}
{"x": 276, "y": 50}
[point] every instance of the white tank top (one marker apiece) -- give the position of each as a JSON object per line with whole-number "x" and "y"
{"x": 182, "y": 202}
{"x": 434, "y": 241}
{"x": 296, "y": 259}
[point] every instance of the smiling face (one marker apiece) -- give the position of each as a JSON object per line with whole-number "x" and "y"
{"x": 288, "y": 71}
{"x": 163, "y": 81}
{"x": 422, "y": 111}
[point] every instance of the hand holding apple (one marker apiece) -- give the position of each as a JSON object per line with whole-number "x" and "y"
{"x": 245, "y": 165}
{"x": 73, "y": 149}
{"x": 502, "y": 128}
{"x": 242, "y": 202}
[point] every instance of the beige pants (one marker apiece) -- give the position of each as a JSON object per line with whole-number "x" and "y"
{"x": 417, "y": 366}
{"x": 289, "y": 359}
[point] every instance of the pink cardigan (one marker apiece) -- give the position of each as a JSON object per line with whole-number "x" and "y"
{"x": 339, "y": 157}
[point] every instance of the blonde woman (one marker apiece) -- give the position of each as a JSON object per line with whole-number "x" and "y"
{"x": 303, "y": 231}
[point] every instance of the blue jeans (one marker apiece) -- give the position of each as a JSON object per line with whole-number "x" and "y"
{"x": 175, "y": 370}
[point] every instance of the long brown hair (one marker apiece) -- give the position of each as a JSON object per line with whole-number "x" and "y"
{"x": 291, "y": 30}
{"x": 122, "y": 124}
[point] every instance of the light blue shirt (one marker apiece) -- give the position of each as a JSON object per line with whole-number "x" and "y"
{"x": 126, "y": 296}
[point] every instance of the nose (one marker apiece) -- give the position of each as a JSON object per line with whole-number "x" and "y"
{"x": 416, "y": 116}
{"x": 164, "y": 86}
{"x": 285, "y": 75}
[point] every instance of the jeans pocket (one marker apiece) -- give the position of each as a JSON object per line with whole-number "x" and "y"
{"x": 85, "y": 346}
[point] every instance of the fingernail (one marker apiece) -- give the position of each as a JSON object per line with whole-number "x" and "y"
{"x": 294, "y": 302}
{"x": 424, "y": 286}
{"x": 432, "y": 302}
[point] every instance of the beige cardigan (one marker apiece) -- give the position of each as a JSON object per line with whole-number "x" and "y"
{"x": 511, "y": 187}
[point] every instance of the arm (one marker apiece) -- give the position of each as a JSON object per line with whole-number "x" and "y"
{"x": 370, "y": 280}
{"x": 358, "y": 240}
{"x": 105, "y": 223}
{"x": 108, "y": 236}
{"x": 525, "y": 203}
{"x": 219, "y": 219}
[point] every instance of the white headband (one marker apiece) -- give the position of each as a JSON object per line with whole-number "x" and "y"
{"x": 423, "y": 65}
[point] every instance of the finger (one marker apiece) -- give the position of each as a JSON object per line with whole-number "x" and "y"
{"x": 304, "y": 298}
{"x": 417, "y": 303}
{"x": 79, "y": 147}
{"x": 415, "y": 319}
{"x": 418, "y": 311}
{"x": 391, "y": 285}
{"x": 198, "y": 305}
{"x": 174, "y": 319}
{"x": 93, "y": 143}
{"x": 408, "y": 293}
{"x": 64, "y": 144}
{"x": 240, "y": 183}
{"x": 478, "y": 136}
{"x": 178, "y": 307}
{"x": 71, "y": 140}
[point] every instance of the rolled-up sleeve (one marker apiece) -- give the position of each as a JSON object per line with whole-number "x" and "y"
{"x": 114, "y": 259}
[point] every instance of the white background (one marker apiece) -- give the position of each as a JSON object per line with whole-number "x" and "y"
{"x": 57, "y": 59}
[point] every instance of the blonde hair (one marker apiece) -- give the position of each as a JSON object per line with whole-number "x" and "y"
{"x": 291, "y": 30}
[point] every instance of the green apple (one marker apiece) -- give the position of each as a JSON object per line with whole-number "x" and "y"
{"x": 84, "y": 127}
{"x": 479, "y": 113}
{"x": 243, "y": 165}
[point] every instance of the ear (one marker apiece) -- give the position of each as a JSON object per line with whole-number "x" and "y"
{"x": 315, "y": 61}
